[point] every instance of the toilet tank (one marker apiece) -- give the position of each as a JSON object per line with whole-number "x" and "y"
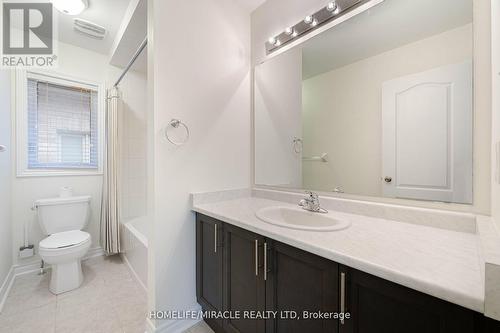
{"x": 62, "y": 214}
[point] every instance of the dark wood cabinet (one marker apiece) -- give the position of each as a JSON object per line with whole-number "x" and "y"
{"x": 244, "y": 285}
{"x": 209, "y": 266}
{"x": 302, "y": 282}
{"x": 238, "y": 270}
{"x": 380, "y": 306}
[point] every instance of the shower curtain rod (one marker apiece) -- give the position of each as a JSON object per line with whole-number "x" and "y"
{"x": 134, "y": 58}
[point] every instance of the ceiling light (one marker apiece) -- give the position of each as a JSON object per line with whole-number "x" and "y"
{"x": 70, "y": 7}
{"x": 309, "y": 19}
{"x": 332, "y": 6}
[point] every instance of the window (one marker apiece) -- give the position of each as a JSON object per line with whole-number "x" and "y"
{"x": 59, "y": 123}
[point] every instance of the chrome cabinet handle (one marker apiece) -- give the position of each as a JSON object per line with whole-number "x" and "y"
{"x": 256, "y": 257}
{"x": 265, "y": 261}
{"x": 342, "y": 296}
{"x": 215, "y": 239}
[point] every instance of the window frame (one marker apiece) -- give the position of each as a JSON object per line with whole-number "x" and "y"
{"x": 20, "y": 78}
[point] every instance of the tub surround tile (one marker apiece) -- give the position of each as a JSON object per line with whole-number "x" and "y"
{"x": 443, "y": 261}
{"x": 137, "y": 206}
{"x": 136, "y": 148}
{"x": 136, "y": 168}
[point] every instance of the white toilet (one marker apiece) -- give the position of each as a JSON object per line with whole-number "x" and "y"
{"x": 63, "y": 220}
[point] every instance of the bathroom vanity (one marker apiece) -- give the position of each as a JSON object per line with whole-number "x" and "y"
{"x": 361, "y": 100}
{"x": 404, "y": 276}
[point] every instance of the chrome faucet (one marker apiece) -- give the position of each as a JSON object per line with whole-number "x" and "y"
{"x": 311, "y": 203}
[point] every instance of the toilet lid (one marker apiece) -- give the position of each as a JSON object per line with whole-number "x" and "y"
{"x": 65, "y": 239}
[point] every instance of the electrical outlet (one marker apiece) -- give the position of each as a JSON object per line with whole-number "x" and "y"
{"x": 26, "y": 251}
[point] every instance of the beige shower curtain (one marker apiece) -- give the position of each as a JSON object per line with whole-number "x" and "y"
{"x": 110, "y": 205}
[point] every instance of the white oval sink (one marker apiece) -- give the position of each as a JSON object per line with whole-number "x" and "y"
{"x": 297, "y": 218}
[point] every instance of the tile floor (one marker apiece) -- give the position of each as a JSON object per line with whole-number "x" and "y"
{"x": 202, "y": 327}
{"x": 110, "y": 300}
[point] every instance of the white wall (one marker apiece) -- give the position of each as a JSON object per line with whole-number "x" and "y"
{"x": 278, "y": 120}
{"x": 349, "y": 128}
{"x": 202, "y": 77}
{"x": 5, "y": 177}
{"x": 78, "y": 63}
{"x": 266, "y": 22}
{"x": 495, "y": 179}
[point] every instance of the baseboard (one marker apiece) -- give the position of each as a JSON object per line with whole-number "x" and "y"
{"x": 131, "y": 269}
{"x": 27, "y": 268}
{"x": 171, "y": 326}
{"x": 7, "y": 284}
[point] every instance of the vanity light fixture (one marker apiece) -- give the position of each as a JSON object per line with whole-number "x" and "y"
{"x": 332, "y": 6}
{"x": 333, "y": 10}
{"x": 274, "y": 41}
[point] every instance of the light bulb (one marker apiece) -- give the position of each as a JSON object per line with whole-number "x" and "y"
{"x": 278, "y": 43}
{"x": 332, "y": 6}
{"x": 309, "y": 19}
{"x": 314, "y": 23}
{"x": 272, "y": 40}
{"x": 70, "y": 7}
{"x": 289, "y": 31}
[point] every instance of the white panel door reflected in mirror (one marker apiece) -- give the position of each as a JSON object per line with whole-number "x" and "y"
{"x": 386, "y": 95}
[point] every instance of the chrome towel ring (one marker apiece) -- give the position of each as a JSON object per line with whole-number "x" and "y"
{"x": 176, "y": 124}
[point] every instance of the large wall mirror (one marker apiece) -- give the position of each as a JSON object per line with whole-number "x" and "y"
{"x": 380, "y": 105}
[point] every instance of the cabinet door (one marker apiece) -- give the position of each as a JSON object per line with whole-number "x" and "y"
{"x": 300, "y": 281}
{"x": 380, "y": 306}
{"x": 244, "y": 288}
{"x": 209, "y": 260}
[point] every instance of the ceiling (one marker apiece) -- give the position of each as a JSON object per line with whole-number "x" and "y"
{"x": 106, "y": 13}
{"x": 384, "y": 27}
{"x": 250, "y": 5}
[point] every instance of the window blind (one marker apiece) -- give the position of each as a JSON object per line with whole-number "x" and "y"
{"x": 62, "y": 126}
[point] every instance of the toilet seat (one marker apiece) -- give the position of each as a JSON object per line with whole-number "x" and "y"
{"x": 65, "y": 240}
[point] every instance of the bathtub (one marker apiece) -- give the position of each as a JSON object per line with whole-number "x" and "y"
{"x": 134, "y": 241}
